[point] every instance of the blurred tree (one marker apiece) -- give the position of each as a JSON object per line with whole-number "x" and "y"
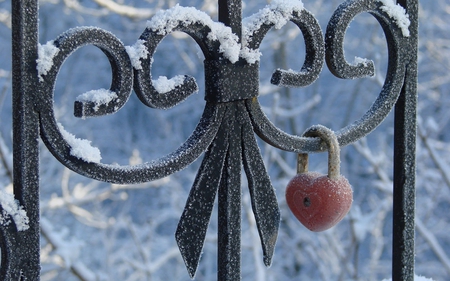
{"x": 99, "y": 231}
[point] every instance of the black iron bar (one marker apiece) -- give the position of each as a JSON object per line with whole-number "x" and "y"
{"x": 404, "y": 190}
{"x": 229, "y": 199}
{"x": 230, "y": 14}
{"x": 21, "y": 258}
{"x": 404, "y": 160}
{"x": 233, "y": 106}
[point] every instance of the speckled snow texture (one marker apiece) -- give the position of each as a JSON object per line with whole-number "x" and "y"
{"x": 12, "y": 208}
{"x": 363, "y": 61}
{"x": 163, "y": 85}
{"x": 278, "y": 13}
{"x": 398, "y": 13}
{"x": 46, "y": 53}
{"x": 164, "y": 22}
{"x": 99, "y": 97}
{"x": 137, "y": 52}
{"x": 81, "y": 148}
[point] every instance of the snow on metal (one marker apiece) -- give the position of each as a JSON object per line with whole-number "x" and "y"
{"x": 226, "y": 131}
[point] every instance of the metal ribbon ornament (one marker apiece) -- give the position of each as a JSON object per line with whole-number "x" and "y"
{"x": 232, "y": 113}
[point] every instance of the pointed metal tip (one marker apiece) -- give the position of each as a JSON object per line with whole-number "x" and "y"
{"x": 192, "y": 273}
{"x": 268, "y": 245}
{"x": 191, "y": 255}
{"x": 191, "y": 265}
{"x": 267, "y": 261}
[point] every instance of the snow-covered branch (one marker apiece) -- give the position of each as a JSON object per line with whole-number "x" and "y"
{"x": 126, "y": 10}
{"x": 442, "y": 167}
{"x": 376, "y": 161}
{"x": 67, "y": 250}
{"x": 433, "y": 243}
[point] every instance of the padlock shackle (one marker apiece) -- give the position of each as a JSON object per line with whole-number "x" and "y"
{"x": 302, "y": 163}
{"x": 329, "y": 138}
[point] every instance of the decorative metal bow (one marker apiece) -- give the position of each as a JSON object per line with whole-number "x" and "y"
{"x": 231, "y": 70}
{"x": 232, "y": 112}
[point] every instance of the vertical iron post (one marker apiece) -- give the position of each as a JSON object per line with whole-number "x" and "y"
{"x": 404, "y": 159}
{"x": 230, "y": 14}
{"x": 229, "y": 210}
{"x": 23, "y": 259}
{"x": 231, "y": 115}
{"x": 229, "y": 197}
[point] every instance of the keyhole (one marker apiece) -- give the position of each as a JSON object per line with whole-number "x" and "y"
{"x": 307, "y": 201}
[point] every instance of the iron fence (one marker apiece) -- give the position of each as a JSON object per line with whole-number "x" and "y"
{"x": 226, "y": 131}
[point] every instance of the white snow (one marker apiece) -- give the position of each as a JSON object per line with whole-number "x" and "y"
{"x": 229, "y": 45}
{"x": 81, "y": 148}
{"x": 398, "y": 13}
{"x": 361, "y": 224}
{"x": 250, "y": 55}
{"x": 99, "y": 97}
{"x": 359, "y": 60}
{"x": 163, "y": 85}
{"x": 11, "y": 207}
{"x": 416, "y": 278}
{"x": 165, "y": 21}
{"x": 46, "y": 53}
{"x": 137, "y": 52}
{"x": 278, "y": 13}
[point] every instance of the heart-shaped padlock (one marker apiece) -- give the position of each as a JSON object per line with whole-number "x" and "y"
{"x": 319, "y": 201}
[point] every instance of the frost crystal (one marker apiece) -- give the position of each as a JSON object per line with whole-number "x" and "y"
{"x": 137, "y": 52}
{"x": 81, "y": 148}
{"x": 398, "y": 13}
{"x": 278, "y": 13}
{"x": 99, "y": 97}
{"x": 164, "y": 22}
{"x": 359, "y": 60}
{"x": 12, "y": 208}
{"x": 164, "y": 85}
{"x": 250, "y": 55}
{"x": 46, "y": 53}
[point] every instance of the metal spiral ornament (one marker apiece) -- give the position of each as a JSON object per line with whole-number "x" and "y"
{"x": 232, "y": 114}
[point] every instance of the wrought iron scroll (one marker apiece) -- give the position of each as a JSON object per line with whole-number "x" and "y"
{"x": 224, "y": 133}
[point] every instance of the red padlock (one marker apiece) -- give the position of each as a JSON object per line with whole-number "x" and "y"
{"x": 320, "y": 201}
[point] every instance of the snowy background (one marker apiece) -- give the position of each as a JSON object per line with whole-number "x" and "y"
{"x": 98, "y": 231}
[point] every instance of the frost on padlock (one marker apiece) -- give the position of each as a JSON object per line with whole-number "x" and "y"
{"x": 319, "y": 201}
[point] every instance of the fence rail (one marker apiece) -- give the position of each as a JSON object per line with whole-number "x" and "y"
{"x": 225, "y": 133}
